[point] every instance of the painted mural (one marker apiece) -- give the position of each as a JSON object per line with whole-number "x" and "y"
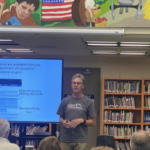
{"x": 88, "y": 13}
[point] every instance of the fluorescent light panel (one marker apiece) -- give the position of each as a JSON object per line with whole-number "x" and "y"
{"x": 21, "y": 51}
{"x": 15, "y": 49}
{"x": 141, "y": 43}
{"x": 121, "y": 53}
{"x": 133, "y": 52}
{"x": 111, "y": 43}
{"x": 135, "y": 45}
{"x": 98, "y": 42}
{"x": 5, "y": 40}
{"x": 104, "y": 52}
{"x": 101, "y": 44}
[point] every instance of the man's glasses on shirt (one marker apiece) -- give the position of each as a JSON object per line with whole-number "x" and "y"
{"x": 78, "y": 83}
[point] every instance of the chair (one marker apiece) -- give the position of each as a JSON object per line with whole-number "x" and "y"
{"x": 106, "y": 140}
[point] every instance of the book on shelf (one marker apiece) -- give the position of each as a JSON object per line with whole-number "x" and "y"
{"x": 147, "y": 102}
{"x": 147, "y": 87}
{"x": 123, "y": 131}
{"x": 147, "y": 128}
{"x": 123, "y": 145}
{"x": 121, "y": 87}
{"x": 30, "y": 130}
{"x": 118, "y": 117}
{"x": 15, "y": 130}
{"x": 30, "y": 142}
{"x": 124, "y": 102}
{"x": 147, "y": 117}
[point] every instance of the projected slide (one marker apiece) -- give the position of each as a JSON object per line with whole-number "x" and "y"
{"x": 30, "y": 89}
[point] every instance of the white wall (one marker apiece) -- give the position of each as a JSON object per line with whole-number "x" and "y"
{"x": 113, "y": 67}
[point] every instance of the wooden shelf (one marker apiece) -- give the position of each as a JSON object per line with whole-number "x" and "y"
{"x": 107, "y": 108}
{"x": 146, "y": 123}
{"x": 138, "y": 111}
{"x": 117, "y": 138}
{"x": 114, "y": 123}
{"x": 146, "y": 94}
{"x": 146, "y": 108}
{"x": 122, "y": 94}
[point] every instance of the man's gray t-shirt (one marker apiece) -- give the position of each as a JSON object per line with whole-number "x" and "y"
{"x": 73, "y": 108}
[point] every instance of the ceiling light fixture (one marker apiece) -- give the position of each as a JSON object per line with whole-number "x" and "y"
{"x": 95, "y": 52}
{"x": 112, "y": 42}
{"x": 14, "y": 51}
{"x": 135, "y": 45}
{"x": 101, "y": 43}
{"x": 141, "y": 43}
{"x": 5, "y": 40}
{"x": 117, "y": 44}
{"x": 133, "y": 52}
{"x": 118, "y": 52}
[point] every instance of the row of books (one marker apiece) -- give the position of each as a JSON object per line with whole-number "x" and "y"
{"x": 147, "y": 87}
{"x": 126, "y": 102}
{"x": 122, "y": 87}
{"x": 119, "y": 131}
{"x": 31, "y": 129}
{"x": 147, "y": 102}
{"x": 15, "y": 130}
{"x": 121, "y": 116}
{"x": 123, "y": 145}
{"x": 146, "y": 116}
{"x": 147, "y": 128}
{"x": 31, "y": 142}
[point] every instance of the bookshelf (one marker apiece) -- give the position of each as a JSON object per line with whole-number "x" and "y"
{"x": 27, "y": 136}
{"x": 146, "y": 103}
{"x": 122, "y": 91}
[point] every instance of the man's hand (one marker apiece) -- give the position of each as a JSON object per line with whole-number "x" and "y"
{"x": 76, "y": 122}
{"x": 66, "y": 123}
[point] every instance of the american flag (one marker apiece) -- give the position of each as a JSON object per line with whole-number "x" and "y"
{"x": 56, "y": 10}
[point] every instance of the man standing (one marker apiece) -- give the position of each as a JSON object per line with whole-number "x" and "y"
{"x": 140, "y": 140}
{"x": 4, "y": 132}
{"x": 76, "y": 113}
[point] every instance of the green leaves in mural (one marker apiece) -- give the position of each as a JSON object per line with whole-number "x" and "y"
{"x": 100, "y": 2}
{"x": 8, "y": 3}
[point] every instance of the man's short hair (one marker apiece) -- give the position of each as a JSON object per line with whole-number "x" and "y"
{"x": 140, "y": 140}
{"x": 34, "y": 2}
{"x": 50, "y": 143}
{"x": 78, "y": 75}
{"x": 4, "y": 127}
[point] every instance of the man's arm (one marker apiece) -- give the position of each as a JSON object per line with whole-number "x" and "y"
{"x": 89, "y": 122}
{"x": 65, "y": 123}
{"x": 61, "y": 120}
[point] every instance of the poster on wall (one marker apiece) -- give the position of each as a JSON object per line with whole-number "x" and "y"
{"x": 86, "y": 13}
